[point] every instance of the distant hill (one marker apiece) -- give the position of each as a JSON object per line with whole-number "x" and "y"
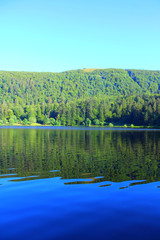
{"x": 36, "y": 86}
{"x": 81, "y": 97}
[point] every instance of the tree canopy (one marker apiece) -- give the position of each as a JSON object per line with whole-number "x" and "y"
{"x": 80, "y": 97}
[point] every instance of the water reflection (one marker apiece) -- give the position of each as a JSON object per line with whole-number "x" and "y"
{"x": 80, "y": 157}
{"x": 106, "y": 185}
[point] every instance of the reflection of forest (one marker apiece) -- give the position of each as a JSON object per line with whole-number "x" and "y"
{"x": 116, "y": 155}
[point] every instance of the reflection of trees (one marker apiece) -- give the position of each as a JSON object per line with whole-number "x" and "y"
{"x": 116, "y": 155}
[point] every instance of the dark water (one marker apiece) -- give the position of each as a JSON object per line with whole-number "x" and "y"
{"x": 79, "y": 184}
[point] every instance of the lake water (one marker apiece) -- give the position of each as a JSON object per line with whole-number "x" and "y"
{"x": 71, "y": 183}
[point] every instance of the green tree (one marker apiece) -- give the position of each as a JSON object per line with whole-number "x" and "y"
{"x": 88, "y": 122}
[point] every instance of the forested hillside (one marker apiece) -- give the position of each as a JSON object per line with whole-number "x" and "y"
{"x": 81, "y": 97}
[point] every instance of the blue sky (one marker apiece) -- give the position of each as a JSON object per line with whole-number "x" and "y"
{"x": 59, "y": 35}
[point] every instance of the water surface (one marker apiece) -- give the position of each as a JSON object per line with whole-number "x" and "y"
{"x": 59, "y": 183}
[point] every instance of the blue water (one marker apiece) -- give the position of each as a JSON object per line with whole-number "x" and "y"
{"x": 75, "y": 186}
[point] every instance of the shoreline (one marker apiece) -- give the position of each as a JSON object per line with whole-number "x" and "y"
{"x": 92, "y": 127}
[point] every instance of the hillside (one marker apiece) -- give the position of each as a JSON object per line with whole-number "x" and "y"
{"x": 77, "y": 84}
{"x": 36, "y": 95}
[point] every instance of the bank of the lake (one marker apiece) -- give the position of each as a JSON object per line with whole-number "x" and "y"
{"x": 81, "y": 126}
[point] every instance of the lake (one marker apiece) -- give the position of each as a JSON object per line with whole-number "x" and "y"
{"x": 79, "y": 183}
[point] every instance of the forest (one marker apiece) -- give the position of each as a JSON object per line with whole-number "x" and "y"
{"x": 100, "y": 97}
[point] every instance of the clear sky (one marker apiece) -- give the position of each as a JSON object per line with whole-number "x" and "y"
{"x": 59, "y": 35}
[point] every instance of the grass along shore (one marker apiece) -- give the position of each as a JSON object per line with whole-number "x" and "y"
{"x": 93, "y": 126}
